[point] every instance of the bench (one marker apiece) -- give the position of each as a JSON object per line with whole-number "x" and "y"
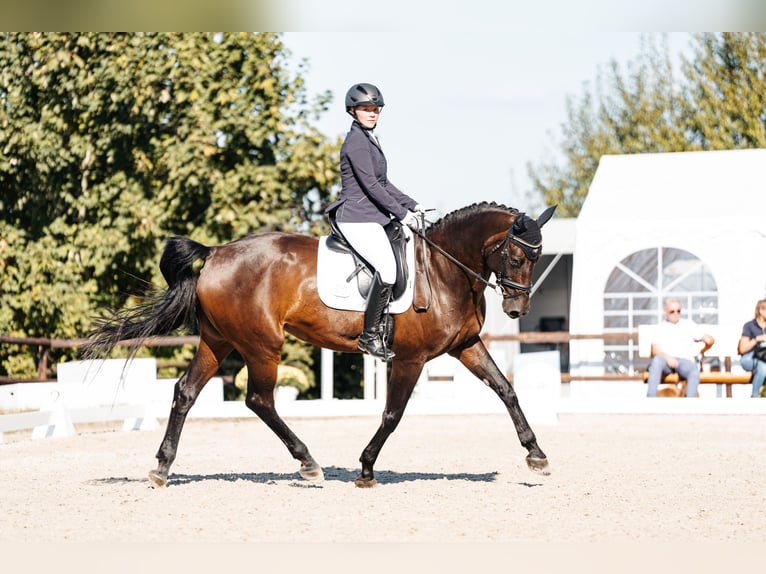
{"x": 725, "y": 346}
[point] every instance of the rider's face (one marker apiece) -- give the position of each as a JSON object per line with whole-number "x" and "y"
{"x": 367, "y": 115}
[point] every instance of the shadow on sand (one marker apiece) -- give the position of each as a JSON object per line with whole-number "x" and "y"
{"x": 331, "y": 473}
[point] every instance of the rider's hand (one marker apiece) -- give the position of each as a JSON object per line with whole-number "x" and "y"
{"x": 410, "y": 220}
{"x": 419, "y": 209}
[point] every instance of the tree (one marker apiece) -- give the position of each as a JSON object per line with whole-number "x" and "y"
{"x": 725, "y": 95}
{"x": 718, "y": 104}
{"x": 112, "y": 142}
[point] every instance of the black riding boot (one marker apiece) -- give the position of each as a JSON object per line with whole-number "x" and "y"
{"x": 371, "y": 340}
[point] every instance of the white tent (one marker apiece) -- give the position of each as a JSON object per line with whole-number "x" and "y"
{"x": 710, "y": 204}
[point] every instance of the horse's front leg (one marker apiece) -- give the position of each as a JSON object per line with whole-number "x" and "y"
{"x": 478, "y": 360}
{"x": 404, "y": 376}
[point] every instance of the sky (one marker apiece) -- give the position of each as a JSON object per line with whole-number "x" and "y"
{"x": 465, "y": 111}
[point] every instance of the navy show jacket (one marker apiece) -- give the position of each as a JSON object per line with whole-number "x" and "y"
{"x": 366, "y": 194}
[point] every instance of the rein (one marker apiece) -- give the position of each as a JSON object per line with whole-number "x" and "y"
{"x": 455, "y": 261}
{"x": 531, "y": 251}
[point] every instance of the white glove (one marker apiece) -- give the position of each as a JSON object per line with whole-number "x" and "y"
{"x": 410, "y": 220}
{"x": 419, "y": 209}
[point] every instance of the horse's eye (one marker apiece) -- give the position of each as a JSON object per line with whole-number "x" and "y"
{"x": 515, "y": 262}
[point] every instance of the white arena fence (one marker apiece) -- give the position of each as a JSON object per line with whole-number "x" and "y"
{"x": 113, "y": 390}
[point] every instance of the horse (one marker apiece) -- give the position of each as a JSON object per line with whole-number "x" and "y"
{"x": 246, "y": 294}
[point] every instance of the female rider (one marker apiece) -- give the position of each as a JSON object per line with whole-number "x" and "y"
{"x": 368, "y": 201}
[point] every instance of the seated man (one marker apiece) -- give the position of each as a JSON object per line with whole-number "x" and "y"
{"x": 674, "y": 348}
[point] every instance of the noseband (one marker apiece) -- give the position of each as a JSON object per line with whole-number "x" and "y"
{"x": 531, "y": 251}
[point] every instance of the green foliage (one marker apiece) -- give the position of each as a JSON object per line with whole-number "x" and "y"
{"x": 111, "y": 142}
{"x": 720, "y": 103}
{"x": 725, "y": 95}
{"x": 348, "y": 376}
{"x": 287, "y": 376}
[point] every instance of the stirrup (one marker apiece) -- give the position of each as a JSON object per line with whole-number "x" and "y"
{"x": 372, "y": 344}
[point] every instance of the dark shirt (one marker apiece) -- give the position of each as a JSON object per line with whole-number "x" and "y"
{"x": 751, "y": 329}
{"x": 366, "y": 194}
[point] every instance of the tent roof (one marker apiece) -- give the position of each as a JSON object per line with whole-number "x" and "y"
{"x": 687, "y": 185}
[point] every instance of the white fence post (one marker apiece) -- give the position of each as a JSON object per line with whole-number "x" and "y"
{"x": 328, "y": 375}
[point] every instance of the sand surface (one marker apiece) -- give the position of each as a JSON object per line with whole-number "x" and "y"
{"x": 441, "y": 479}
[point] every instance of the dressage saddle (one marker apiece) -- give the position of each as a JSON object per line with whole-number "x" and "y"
{"x": 362, "y": 269}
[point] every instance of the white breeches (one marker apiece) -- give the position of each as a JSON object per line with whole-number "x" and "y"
{"x": 371, "y": 241}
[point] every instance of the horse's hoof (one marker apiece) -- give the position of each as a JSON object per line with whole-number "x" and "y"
{"x": 538, "y": 465}
{"x": 313, "y": 473}
{"x": 157, "y": 479}
{"x": 361, "y": 482}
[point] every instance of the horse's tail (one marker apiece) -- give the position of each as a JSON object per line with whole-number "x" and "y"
{"x": 161, "y": 313}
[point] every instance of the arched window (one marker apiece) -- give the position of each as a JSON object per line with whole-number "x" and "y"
{"x": 635, "y": 292}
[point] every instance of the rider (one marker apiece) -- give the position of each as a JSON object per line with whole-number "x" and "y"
{"x": 367, "y": 202}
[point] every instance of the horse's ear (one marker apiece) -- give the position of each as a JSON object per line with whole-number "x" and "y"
{"x": 519, "y": 224}
{"x": 546, "y": 215}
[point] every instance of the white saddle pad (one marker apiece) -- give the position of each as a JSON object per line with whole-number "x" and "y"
{"x": 334, "y": 268}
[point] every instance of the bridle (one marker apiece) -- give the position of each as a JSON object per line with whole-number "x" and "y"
{"x": 531, "y": 251}
{"x": 506, "y": 287}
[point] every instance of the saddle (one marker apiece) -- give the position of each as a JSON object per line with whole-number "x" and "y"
{"x": 336, "y": 242}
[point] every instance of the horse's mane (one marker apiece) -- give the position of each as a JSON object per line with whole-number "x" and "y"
{"x": 469, "y": 211}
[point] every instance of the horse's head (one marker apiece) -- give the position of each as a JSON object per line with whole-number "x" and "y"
{"x": 512, "y": 258}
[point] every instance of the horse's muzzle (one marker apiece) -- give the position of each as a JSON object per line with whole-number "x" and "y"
{"x": 516, "y": 307}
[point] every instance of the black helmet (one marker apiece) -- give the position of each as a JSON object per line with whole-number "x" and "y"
{"x": 363, "y": 95}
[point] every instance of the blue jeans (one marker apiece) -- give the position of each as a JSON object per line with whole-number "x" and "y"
{"x": 758, "y": 369}
{"x": 687, "y": 369}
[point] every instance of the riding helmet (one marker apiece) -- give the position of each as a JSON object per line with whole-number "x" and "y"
{"x": 363, "y": 95}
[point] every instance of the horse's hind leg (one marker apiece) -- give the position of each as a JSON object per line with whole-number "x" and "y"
{"x": 262, "y": 377}
{"x": 477, "y": 359}
{"x": 203, "y": 366}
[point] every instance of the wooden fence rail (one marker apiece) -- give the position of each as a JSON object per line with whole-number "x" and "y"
{"x": 540, "y": 337}
{"x": 532, "y": 337}
{"x": 45, "y": 344}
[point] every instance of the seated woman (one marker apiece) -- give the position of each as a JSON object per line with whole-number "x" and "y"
{"x": 751, "y": 346}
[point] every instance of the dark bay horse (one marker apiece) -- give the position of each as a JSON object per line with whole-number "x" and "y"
{"x": 246, "y": 294}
